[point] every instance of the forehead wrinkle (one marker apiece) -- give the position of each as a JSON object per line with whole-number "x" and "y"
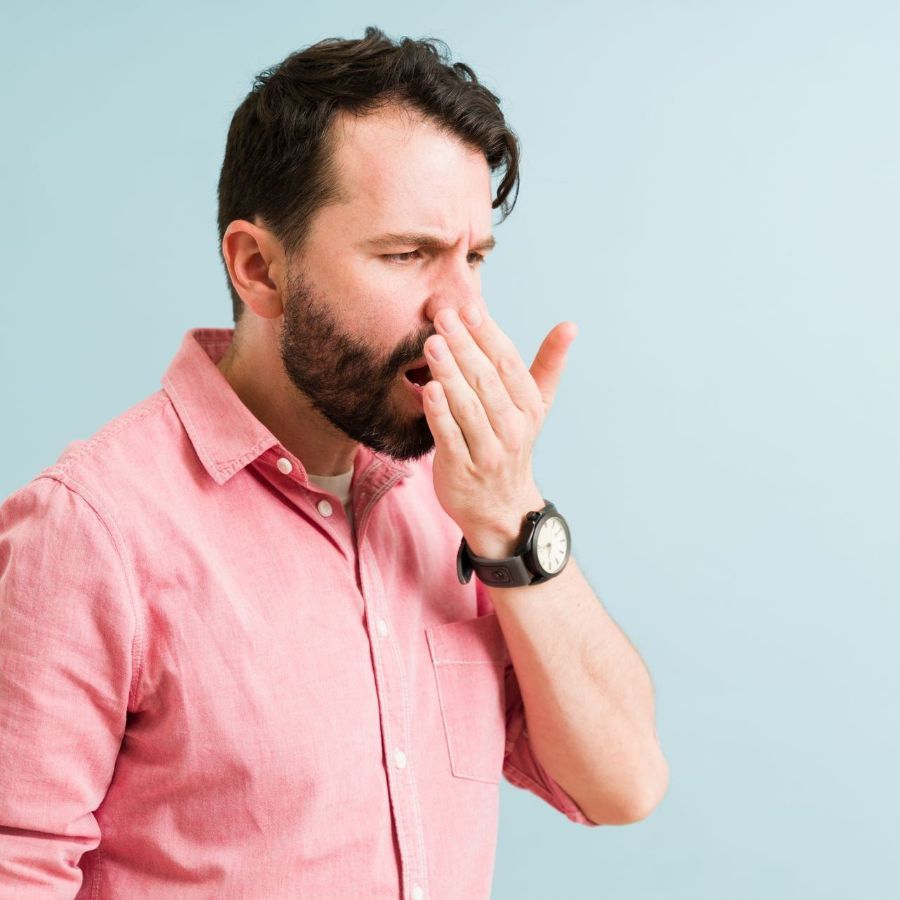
{"x": 422, "y": 239}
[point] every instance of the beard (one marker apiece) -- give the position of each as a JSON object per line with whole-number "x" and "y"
{"x": 346, "y": 380}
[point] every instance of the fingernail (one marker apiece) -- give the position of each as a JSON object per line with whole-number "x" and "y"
{"x": 472, "y": 315}
{"x": 436, "y": 347}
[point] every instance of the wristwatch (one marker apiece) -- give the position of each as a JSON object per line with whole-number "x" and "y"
{"x": 542, "y": 553}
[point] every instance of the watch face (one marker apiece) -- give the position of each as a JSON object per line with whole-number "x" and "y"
{"x": 551, "y": 544}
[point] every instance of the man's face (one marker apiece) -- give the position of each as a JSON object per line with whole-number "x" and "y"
{"x": 359, "y": 306}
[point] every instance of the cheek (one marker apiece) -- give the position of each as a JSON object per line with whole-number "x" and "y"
{"x": 392, "y": 305}
{"x": 370, "y": 285}
{"x": 394, "y": 290}
{"x": 384, "y": 304}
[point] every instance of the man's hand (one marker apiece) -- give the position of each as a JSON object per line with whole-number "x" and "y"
{"x": 485, "y": 410}
{"x": 587, "y": 696}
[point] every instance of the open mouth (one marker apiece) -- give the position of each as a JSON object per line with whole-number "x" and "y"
{"x": 420, "y": 375}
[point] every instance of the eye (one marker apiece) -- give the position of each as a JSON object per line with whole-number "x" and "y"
{"x": 475, "y": 258}
{"x": 400, "y": 257}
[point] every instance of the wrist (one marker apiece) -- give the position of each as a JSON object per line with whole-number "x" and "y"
{"x": 499, "y": 538}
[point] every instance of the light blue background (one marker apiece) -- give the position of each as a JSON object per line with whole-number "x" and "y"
{"x": 712, "y": 192}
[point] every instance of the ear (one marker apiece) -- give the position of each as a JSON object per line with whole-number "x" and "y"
{"x": 255, "y": 260}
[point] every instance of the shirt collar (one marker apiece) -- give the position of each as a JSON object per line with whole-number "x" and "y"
{"x": 225, "y": 434}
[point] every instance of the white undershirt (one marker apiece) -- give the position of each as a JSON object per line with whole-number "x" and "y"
{"x": 339, "y": 485}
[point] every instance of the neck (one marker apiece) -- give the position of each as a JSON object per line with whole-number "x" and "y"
{"x": 253, "y": 369}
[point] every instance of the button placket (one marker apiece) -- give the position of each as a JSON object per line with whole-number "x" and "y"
{"x": 394, "y": 709}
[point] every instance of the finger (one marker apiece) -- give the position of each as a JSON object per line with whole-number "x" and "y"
{"x": 550, "y": 360}
{"x": 447, "y": 436}
{"x": 464, "y": 403}
{"x": 504, "y": 416}
{"x": 507, "y": 361}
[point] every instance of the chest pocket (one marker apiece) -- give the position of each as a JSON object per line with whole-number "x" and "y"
{"x": 469, "y": 659}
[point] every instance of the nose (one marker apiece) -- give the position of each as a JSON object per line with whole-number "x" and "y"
{"x": 456, "y": 284}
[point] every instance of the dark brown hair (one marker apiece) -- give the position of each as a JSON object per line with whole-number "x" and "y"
{"x": 278, "y": 158}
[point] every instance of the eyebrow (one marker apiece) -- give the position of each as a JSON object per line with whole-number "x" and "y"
{"x": 422, "y": 239}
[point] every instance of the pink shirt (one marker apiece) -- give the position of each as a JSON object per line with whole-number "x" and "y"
{"x": 212, "y": 687}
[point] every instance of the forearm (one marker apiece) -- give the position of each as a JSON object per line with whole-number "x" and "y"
{"x": 588, "y": 697}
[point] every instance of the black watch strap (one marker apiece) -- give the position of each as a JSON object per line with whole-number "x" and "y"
{"x": 510, "y": 572}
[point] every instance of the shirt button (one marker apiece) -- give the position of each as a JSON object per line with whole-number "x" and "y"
{"x": 400, "y": 759}
{"x": 418, "y": 893}
{"x": 284, "y": 466}
{"x": 324, "y": 507}
{"x": 381, "y": 625}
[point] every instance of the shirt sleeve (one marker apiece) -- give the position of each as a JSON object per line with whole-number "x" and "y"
{"x": 520, "y": 766}
{"x": 67, "y": 638}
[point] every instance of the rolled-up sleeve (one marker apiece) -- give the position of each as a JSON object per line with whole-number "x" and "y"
{"x": 521, "y": 767}
{"x": 68, "y": 653}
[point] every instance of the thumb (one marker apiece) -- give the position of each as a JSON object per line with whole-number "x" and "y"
{"x": 550, "y": 360}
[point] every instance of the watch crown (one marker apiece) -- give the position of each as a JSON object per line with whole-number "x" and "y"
{"x": 525, "y": 567}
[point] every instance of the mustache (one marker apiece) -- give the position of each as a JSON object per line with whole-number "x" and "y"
{"x": 409, "y": 351}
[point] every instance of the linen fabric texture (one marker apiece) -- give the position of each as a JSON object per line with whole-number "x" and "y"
{"x": 210, "y": 688}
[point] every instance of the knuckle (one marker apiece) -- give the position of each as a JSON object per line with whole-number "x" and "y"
{"x": 522, "y": 437}
{"x": 471, "y": 407}
{"x": 507, "y": 366}
{"x": 495, "y": 462}
{"x": 487, "y": 382}
{"x": 514, "y": 443}
{"x": 513, "y": 426}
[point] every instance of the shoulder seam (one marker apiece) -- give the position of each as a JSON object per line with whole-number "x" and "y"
{"x": 137, "y": 644}
{"x": 117, "y": 425}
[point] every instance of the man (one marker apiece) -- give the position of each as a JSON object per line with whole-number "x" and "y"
{"x": 241, "y": 650}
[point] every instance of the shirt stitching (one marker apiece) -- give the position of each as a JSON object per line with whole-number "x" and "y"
{"x": 74, "y": 456}
{"x": 193, "y": 431}
{"x": 517, "y": 776}
{"x": 407, "y": 728}
{"x": 137, "y": 646}
{"x": 399, "y": 818}
{"x": 470, "y": 662}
